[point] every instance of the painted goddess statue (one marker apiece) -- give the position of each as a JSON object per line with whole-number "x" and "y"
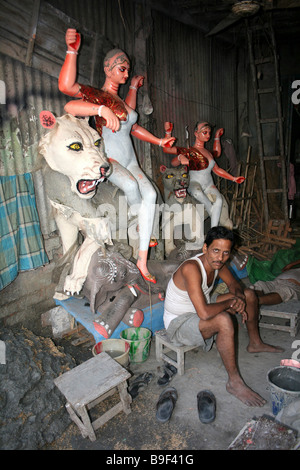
{"x": 116, "y": 121}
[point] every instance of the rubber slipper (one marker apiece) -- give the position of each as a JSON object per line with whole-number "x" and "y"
{"x": 139, "y": 383}
{"x": 206, "y": 404}
{"x": 169, "y": 371}
{"x": 166, "y": 404}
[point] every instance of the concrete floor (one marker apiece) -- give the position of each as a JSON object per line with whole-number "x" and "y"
{"x": 141, "y": 431}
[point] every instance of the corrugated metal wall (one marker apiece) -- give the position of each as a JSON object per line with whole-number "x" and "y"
{"x": 192, "y": 78}
{"x": 188, "y": 77}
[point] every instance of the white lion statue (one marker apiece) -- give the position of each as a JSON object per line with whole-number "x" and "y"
{"x": 74, "y": 169}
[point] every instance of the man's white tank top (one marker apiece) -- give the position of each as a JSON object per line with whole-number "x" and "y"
{"x": 178, "y": 302}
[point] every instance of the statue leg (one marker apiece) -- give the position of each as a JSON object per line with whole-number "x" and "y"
{"x": 195, "y": 190}
{"x": 141, "y": 197}
{"x": 146, "y": 217}
{"x": 217, "y": 203}
{"x": 68, "y": 231}
{"x": 124, "y": 179}
{"x": 75, "y": 280}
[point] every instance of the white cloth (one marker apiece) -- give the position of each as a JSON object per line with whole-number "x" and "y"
{"x": 290, "y": 274}
{"x": 178, "y": 302}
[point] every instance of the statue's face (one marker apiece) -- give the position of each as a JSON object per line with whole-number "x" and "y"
{"x": 118, "y": 68}
{"x": 203, "y": 133}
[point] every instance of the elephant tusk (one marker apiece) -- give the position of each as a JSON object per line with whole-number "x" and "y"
{"x": 132, "y": 289}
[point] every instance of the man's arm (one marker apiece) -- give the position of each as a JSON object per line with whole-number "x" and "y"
{"x": 233, "y": 285}
{"x": 291, "y": 265}
{"x": 189, "y": 278}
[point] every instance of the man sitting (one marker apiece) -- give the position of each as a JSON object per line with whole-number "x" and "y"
{"x": 191, "y": 319}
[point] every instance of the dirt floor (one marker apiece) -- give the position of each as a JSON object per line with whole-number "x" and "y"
{"x": 141, "y": 431}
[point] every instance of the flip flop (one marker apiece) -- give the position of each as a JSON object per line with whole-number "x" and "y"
{"x": 206, "y": 404}
{"x": 169, "y": 371}
{"x": 166, "y": 404}
{"x": 139, "y": 383}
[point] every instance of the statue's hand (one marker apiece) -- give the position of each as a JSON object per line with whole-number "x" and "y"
{"x": 239, "y": 179}
{"x": 73, "y": 40}
{"x": 168, "y": 127}
{"x": 183, "y": 159}
{"x": 112, "y": 121}
{"x": 137, "y": 81}
{"x": 167, "y": 141}
{"x": 219, "y": 132}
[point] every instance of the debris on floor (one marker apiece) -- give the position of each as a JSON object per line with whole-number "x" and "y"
{"x": 265, "y": 433}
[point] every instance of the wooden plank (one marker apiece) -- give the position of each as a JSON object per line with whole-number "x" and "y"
{"x": 36, "y": 37}
{"x": 14, "y": 19}
{"x": 107, "y": 416}
{"x": 32, "y": 32}
{"x": 76, "y": 420}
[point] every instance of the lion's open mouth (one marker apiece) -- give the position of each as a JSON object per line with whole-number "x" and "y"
{"x": 180, "y": 193}
{"x": 86, "y": 186}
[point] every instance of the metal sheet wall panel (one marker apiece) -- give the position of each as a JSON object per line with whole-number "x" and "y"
{"x": 28, "y": 92}
{"x": 191, "y": 78}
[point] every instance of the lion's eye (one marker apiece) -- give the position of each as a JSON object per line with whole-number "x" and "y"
{"x": 98, "y": 142}
{"x": 76, "y": 146}
{"x": 170, "y": 176}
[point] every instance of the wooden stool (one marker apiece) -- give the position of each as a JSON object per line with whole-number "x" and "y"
{"x": 287, "y": 311}
{"x": 88, "y": 384}
{"x": 162, "y": 345}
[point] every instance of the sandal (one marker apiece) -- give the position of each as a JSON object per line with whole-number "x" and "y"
{"x": 166, "y": 404}
{"x": 206, "y": 404}
{"x": 169, "y": 371}
{"x": 139, "y": 383}
{"x": 148, "y": 277}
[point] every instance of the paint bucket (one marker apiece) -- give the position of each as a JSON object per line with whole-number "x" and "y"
{"x": 139, "y": 340}
{"x": 118, "y": 349}
{"x": 284, "y": 386}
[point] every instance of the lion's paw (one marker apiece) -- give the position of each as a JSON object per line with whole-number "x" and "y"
{"x": 72, "y": 285}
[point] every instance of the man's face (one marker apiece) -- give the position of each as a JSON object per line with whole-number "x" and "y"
{"x": 217, "y": 253}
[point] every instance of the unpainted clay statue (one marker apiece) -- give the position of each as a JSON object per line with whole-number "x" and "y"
{"x": 115, "y": 289}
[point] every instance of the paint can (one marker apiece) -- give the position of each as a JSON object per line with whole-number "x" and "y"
{"x": 284, "y": 386}
{"x": 118, "y": 349}
{"x": 139, "y": 340}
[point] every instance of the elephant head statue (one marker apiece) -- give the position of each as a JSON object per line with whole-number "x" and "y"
{"x": 108, "y": 273}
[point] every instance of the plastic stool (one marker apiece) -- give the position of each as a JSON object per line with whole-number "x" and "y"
{"x": 163, "y": 345}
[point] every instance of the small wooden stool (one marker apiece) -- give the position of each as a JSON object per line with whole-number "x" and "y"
{"x": 88, "y": 384}
{"x": 287, "y": 311}
{"x": 163, "y": 345}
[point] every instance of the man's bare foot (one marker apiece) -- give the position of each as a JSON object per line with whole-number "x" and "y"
{"x": 241, "y": 391}
{"x": 263, "y": 347}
